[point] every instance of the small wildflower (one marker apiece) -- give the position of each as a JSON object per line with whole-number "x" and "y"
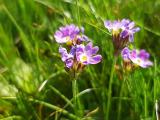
{"x": 122, "y": 33}
{"x": 70, "y": 34}
{"x": 87, "y": 54}
{"x": 138, "y": 57}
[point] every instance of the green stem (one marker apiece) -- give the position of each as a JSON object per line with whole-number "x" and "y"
{"x": 12, "y": 118}
{"x": 78, "y": 15}
{"x": 76, "y": 101}
{"x": 74, "y": 90}
{"x": 110, "y": 90}
{"x": 145, "y": 102}
{"x": 155, "y": 86}
{"x": 120, "y": 100}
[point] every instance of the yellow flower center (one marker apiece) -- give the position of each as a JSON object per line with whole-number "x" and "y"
{"x": 115, "y": 32}
{"x": 69, "y": 41}
{"x": 83, "y": 58}
{"x": 137, "y": 63}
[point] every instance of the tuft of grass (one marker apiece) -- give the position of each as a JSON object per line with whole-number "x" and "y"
{"x": 33, "y": 82}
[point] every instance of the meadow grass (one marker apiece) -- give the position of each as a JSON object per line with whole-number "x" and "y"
{"x": 33, "y": 82}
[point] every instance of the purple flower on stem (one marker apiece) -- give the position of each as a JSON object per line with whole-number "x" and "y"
{"x": 138, "y": 57}
{"x": 87, "y": 54}
{"x": 70, "y": 34}
{"x": 122, "y": 33}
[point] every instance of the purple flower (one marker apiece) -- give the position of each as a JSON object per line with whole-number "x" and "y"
{"x": 138, "y": 57}
{"x": 87, "y": 54}
{"x": 70, "y": 34}
{"x": 79, "y": 55}
{"x": 122, "y": 33}
{"x": 125, "y": 28}
{"x": 67, "y": 57}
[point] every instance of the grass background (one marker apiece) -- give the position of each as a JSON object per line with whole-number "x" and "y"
{"x": 34, "y": 85}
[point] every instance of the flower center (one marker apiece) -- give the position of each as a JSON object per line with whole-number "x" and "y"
{"x": 69, "y": 41}
{"x": 138, "y": 61}
{"x": 83, "y": 58}
{"x": 115, "y": 32}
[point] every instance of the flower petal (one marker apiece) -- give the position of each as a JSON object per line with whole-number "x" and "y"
{"x": 69, "y": 63}
{"x": 125, "y": 53}
{"x": 88, "y": 47}
{"x": 95, "y": 50}
{"x": 59, "y": 37}
{"x": 134, "y": 30}
{"x": 95, "y": 59}
{"x": 148, "y": 63}
{"x": 64, "y": 54}
{"x": 80, "y": 48}
{"x": 108, "y": 25}
{"x": 131, "y": 25}
{"x": 79, "y": 51}
{"x": 131, "y": 37}
{"x": 124, "y": 34}
{"x": 62, "y": 50}
{"x": 73, "y": 50}
{"x": 143, "y": 54}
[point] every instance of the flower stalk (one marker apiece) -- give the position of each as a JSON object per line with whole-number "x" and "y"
{"x": 110, "y": 89}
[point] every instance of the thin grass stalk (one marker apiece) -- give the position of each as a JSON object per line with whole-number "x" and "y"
{"x": 106, "y": 117}
{"x": 145, "y": 101}
{"x": 76, "y": 101}
{"x": 61, "y": 95}
{"x": 14, "y": 117}
{"x": 154, "y": 88}
{"x": 120, "y": 100}
{"x": 63, "y": 111}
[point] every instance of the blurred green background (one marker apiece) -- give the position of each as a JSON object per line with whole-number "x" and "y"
{"x": 33, "y": 82}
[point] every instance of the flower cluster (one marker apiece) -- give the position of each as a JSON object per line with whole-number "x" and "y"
{"x": 76, "y": 55}
{"x": 122, "y": 33}
{"x": 138, "y": 57}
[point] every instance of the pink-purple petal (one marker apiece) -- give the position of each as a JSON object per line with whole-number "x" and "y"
{"x": 95, "y": 50}
{"x": 88, "y": 47}
{"x": 125, "y": 53}
{"x": 95, "y": 59}
{"x": 69, "y": 63}
{"x": 80, "y": 48}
